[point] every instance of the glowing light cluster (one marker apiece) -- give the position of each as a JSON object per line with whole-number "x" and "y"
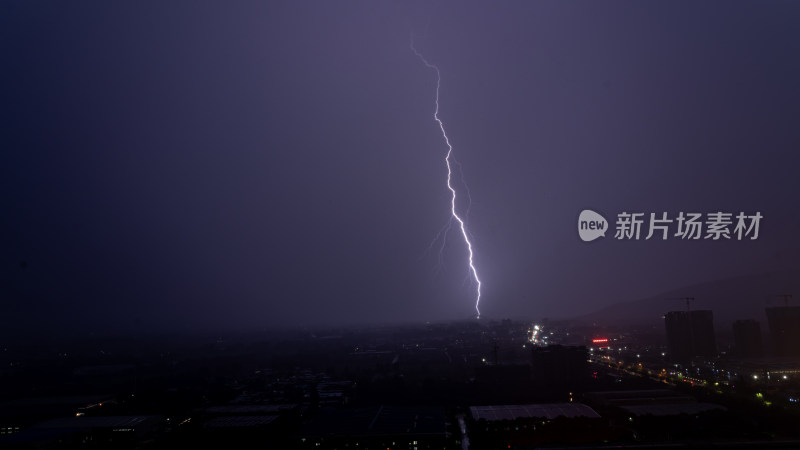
{"x": 535, "y": 335}
{"x": 453, "y": 211}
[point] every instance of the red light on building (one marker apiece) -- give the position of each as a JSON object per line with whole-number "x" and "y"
{"x": 599, "y": 341}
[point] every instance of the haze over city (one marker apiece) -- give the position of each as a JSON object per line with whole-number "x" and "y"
{"x": 450, "y": 225}
{"x": 200, "y": 165}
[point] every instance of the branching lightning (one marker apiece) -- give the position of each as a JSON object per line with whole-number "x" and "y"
{"x": 447, "y": 160}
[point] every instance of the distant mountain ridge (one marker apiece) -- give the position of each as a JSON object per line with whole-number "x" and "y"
{"x": 742, "y": 297}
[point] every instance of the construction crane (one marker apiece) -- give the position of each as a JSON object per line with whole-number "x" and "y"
{"x": 786, "y": 298}
{"x": 686, "y": 299}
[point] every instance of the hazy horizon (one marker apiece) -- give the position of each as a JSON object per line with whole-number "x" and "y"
{"x": 198, "y": 165}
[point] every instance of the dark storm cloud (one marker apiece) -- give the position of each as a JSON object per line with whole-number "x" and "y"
{"x": 208, "y": 164}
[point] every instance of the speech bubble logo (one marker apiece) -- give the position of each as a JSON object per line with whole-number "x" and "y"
{"x": 591, "y": 225}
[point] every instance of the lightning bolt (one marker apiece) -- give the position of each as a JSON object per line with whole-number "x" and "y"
{"x": 447, "y": 161}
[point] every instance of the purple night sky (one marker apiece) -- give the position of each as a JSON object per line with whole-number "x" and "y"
{"x": 198, "y": 165}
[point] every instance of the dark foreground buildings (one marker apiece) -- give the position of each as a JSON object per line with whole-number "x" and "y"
{"x": 411, "y": 427}
{"x": 557, "y": 366}
{"x": 747, "y": 338}
{"x": 690, "y": 334}
{"x": 784, "y": 329}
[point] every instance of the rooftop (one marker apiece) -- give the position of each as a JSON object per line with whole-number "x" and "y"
{"x": 544, "y": 410}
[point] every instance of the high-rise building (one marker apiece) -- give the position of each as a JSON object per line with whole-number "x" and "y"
{"x": 690, "y": 334}
{"x": 784, "y": 329}
{"x": 747, "y": 338}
